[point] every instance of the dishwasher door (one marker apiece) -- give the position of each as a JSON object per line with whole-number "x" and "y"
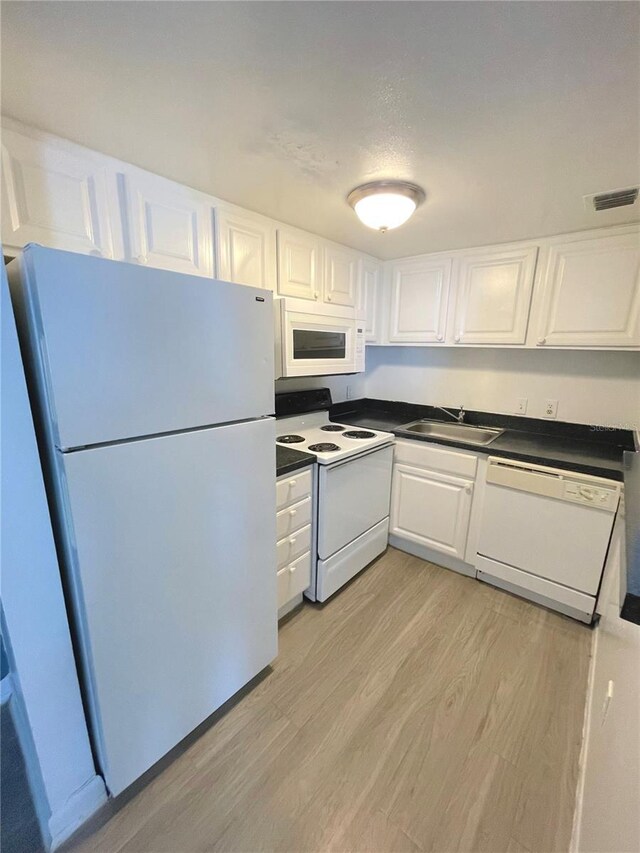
{"x": 553, "y": 524}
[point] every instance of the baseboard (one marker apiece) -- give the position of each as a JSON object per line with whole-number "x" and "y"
{"x": 432, "y": 556}
{"x": 574, "y": 845}
{"x": 84, "y": 803}
{"x": 289, "y": 606}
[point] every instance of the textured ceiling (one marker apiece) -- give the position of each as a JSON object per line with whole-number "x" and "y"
{"x": 506, "y": 113}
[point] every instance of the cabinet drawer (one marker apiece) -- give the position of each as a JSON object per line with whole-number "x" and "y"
{"x": 294, "y": 579}
{"x": 292, "y": 489}
{"x": 436, "y": 458}
{"x": 293, "y": 518}
{"x": 291, "y": 547}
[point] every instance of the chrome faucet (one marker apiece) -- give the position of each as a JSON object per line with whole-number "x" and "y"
{"x": 459, "y": 417}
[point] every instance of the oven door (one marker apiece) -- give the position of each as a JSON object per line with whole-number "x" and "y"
{"x": 354, "y": 496}
{"x": 317, "y": 345}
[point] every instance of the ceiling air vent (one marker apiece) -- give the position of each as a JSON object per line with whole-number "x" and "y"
{"x": 616, "y": 198}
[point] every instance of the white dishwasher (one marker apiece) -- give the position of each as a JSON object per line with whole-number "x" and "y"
{"x": 545, "y": 533}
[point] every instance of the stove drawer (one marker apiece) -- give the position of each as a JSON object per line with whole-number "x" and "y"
{"x": 292, "y": 547}
{"x": 294, "y": 579}
{"x": 293, "y": 518}
{"x": 294, "y": 488}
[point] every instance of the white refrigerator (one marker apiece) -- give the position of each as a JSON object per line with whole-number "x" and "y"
{"x": 153, "y": 393}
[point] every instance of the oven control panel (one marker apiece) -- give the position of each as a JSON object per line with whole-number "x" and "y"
{"x": 591, "y": 494}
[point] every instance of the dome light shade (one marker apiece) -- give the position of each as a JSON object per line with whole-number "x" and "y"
{"x": 384, "y": 205}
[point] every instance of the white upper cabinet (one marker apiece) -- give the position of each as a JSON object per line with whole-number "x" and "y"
{"x": 59, "y": 196}
{"x": 368, "y": 304}
{"x": 494, "y": 296}
{"x": 246, "y": 248}
{"x": 591, "y": 293}
{"x": 299, "y": 264}
{"x": 418, "y": 300}
{"x": 169, "y": 225}
{"x": 341, "y": 268}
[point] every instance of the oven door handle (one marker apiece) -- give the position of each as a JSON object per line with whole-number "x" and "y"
{"x": 346, "y": 461}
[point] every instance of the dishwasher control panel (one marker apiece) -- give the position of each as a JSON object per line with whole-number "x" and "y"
{"x": 591, "y": 495}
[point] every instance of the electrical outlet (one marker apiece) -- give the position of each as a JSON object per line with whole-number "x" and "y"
{"x": 521, "y": 406}
{"x": 349, "y": 392}
{"x": 550, "y": 408}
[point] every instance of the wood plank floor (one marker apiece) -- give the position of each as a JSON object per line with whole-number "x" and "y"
{"x": 418, "y": 710}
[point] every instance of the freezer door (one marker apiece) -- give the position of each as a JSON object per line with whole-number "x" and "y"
{"x": 174, "y": 582}
{"x": 129, "y": 351}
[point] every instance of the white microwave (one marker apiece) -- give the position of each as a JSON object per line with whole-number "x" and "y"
{"x": 310, "y": 344}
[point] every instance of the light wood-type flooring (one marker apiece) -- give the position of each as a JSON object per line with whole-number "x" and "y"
{"x": 418, "y": 710}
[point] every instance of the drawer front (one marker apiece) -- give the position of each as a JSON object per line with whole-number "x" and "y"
{"x": 292, "y": 489}
{"x": 294, "y": 579}
{"x": 436, "y": 458}
{"x": 292, "y": 547}
{"x": 293, "y": 518}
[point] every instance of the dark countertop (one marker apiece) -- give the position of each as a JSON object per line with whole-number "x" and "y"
{"x": 631, "y": 603}
{"x": 288, "y": 459}
{"x": 601, "y": 451}
{"x": 576, "y": 447}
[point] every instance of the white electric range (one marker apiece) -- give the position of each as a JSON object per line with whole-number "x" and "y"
{"x": 353, "y": 488}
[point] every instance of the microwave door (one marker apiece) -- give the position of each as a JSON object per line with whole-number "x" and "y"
{"x": 315, "y": 345}
{"x": 319, "y": 345}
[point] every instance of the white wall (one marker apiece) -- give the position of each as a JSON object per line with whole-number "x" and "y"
{"x": 341, "y": 387}
{"x": 43, "y": 666}
{"x": 591, "y": 387}
{"x": 608, "y": 802}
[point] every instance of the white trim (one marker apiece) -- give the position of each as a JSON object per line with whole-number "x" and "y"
{"x": 77, "y": 810}
{"x": 574, "y": 844}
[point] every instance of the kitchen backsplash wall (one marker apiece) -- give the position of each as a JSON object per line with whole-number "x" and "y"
{"x": 337, "y": 384}
{"x": 590, "y": 387}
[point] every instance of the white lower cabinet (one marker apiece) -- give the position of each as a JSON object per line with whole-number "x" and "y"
{"x": 431, "y": 499}
{"x": 431, "y": 508}
{"x": 294, "y": 526}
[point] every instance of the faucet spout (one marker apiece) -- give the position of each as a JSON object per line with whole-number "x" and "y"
{"x": 459, "y": 417}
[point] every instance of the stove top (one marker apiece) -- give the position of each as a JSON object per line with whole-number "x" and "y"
{"x": 359, "y": 433}
{"x": 310, "y": 432}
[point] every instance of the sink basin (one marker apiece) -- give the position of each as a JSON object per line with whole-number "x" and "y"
{"x": 452, "y": 432}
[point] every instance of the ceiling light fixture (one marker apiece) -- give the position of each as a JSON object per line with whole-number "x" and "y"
{"x": 384, "y": 205}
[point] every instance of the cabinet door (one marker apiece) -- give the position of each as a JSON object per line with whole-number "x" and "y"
{"x": 431, "y": 508}
{"x": 419, "y": 299}
{"x": 170, "y": 226}
{"x": 369, "y": 297}
{"x": 299, "y": 264}
{"x": 592, "y": 293}
{"x": 341, "y": 270}
{"x": 494, "y": 296}
{"x": 246, "y": 249}
{"x": 58, "y": 197}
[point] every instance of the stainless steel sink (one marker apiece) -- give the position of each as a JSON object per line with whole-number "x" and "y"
{"x": 452, "y": 432}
